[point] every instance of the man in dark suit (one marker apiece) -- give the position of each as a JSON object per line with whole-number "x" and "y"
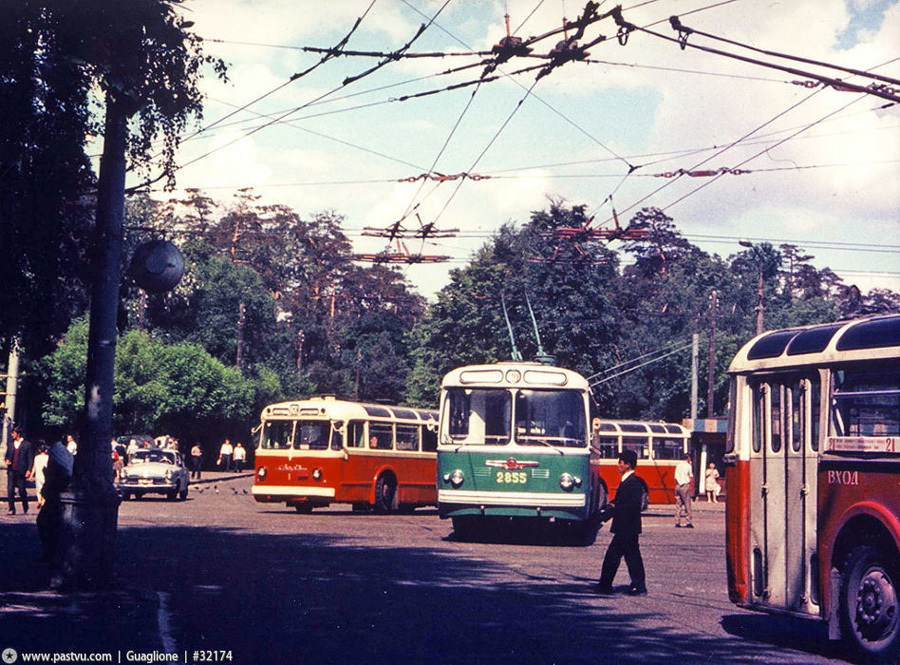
{"x": 625, "y": 511}
{"x": 19, "y": 460}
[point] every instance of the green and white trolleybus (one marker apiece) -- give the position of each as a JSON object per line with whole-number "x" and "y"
{"x": 514, "y": 446}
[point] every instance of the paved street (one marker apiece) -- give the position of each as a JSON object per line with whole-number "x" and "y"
{"x": 221, "y": 572}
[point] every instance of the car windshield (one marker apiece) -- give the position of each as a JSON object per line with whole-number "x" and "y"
{"x": 146, "y": 456}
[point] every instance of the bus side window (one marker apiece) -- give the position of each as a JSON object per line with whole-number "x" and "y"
{"x": 381, "y": 436}
{"x": 667, "y": 448}
{"x": 607, "y": 447}
{"x": 407, "y": 437}
{"x": 429, "y": 440}
{"x": 357, "y": 434}
{"x": 637, "y": 444}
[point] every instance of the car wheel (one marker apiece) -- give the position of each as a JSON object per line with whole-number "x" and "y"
{"x": 183, "y": 494}
{"x": 172, "y": 495}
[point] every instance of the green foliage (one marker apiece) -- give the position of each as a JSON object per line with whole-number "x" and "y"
{"x": 159, "y": 386}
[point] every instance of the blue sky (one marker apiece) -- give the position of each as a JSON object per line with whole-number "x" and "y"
{"x": 822, "y": 164}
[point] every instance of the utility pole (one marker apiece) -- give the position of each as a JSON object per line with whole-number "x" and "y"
{"x": 12, "y": 383}
{"x": 757, "y": 253}
{"x": 710, "y": 373}
{"x": 91, "y": 504}
{"x": 695, "y": 355}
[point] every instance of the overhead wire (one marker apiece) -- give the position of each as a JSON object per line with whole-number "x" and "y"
{"x": 347, "y": 81}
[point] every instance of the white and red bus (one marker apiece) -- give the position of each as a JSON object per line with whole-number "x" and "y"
{"x": 813, "y": 472}
{"x": 322, "y": 450}
{"x": 659, "y": 447}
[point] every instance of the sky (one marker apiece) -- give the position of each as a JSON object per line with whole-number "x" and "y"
{"x": 811, "y": 166}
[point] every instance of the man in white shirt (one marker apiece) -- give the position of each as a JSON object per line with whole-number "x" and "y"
{"x": 684, "y": 475}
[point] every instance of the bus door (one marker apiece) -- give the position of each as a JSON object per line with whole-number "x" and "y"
{"x": 783, "y": 557}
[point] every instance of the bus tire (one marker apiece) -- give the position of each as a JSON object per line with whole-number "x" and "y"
{"x": 303, "y": 508}
{"x": 869, "y": 604}
{"x": 385, "y": 493}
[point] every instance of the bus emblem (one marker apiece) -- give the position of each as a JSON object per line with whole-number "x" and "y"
{"x": 510, "y": 464}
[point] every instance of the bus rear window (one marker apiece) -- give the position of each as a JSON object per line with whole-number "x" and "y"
{"x": 667, "y": 448}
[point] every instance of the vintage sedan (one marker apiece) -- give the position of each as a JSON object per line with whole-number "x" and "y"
{"x": 154, "y": 471}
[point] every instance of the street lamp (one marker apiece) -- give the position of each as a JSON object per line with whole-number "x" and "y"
{"x": 759, "y": 287}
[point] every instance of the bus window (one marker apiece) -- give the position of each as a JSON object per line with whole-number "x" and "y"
{"x": 479, "y": 416}
{"x": 277, "y": 434}
{"x": 759, "y": 409}
{"x": 606, "y": 447}
{"x": 337, "y": 435}
{"x": 312, "y": 435}
{"x": 407, "y": 437}
{"x": 356, "y": 434}
{"x": 429, "y": 439}
{"x": 667, "y": 448}
{"x": 555, "y": 417}
{"x": 776, "y": 418}
{"x": 637, "y": 444}
{"x": 381, "y": 436}
{"x": 796, "y": 413}
{"x": 867, "y": 402}
{"x": 815, "y": 411}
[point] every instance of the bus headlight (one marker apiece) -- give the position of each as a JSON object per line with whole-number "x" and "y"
{"x": 457, "y": 478}
{"x": 261, "y": 473}
{"x": 317, "y": 474}
{"x": 568, "y": 482}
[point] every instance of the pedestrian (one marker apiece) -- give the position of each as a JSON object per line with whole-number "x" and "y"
{"x": 132, "y": 448}
{"x": 226, "y": 453}
{"x": 196, "y": 461}
{"x": 684, "y": 477}
{"x": 37, "y": 471}
{"x": 49, "y": 520}
{"x": 240, "y": 456}
{"x": 625, "y": 512}
{"x": 19, "y": 460}
{"x": 71, "y": 444}
{"x": 712, "y": 484}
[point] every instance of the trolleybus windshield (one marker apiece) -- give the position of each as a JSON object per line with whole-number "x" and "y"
{"x": 554, "y": 417}
{"x": 479, "y": 416}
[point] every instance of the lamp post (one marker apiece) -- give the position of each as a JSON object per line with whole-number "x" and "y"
{"x": 759, "y": 287}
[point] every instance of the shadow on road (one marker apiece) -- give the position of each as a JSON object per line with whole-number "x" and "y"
{"x": 312, "y": 598}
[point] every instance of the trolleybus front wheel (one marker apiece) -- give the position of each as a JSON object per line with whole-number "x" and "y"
{"x": 870, "y": 610}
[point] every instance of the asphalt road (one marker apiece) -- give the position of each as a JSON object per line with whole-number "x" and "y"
{"x": 263, "y": 584}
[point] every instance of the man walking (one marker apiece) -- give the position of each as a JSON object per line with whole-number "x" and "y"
{"x": 625, "y": 511}
{"x": 19, "y": 460}
{"x": 684, "y": 476}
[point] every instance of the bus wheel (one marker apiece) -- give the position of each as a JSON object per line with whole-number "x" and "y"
{"x": 870, "y": 612}
{"x": 385, "y": 491}
{"x": 303, "y": 508}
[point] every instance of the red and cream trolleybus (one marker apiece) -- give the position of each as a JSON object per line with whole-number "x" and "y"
{"x": 813, "y": 508}
{"x": 659, "y": 447}
{"x": 324, "y": 450}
